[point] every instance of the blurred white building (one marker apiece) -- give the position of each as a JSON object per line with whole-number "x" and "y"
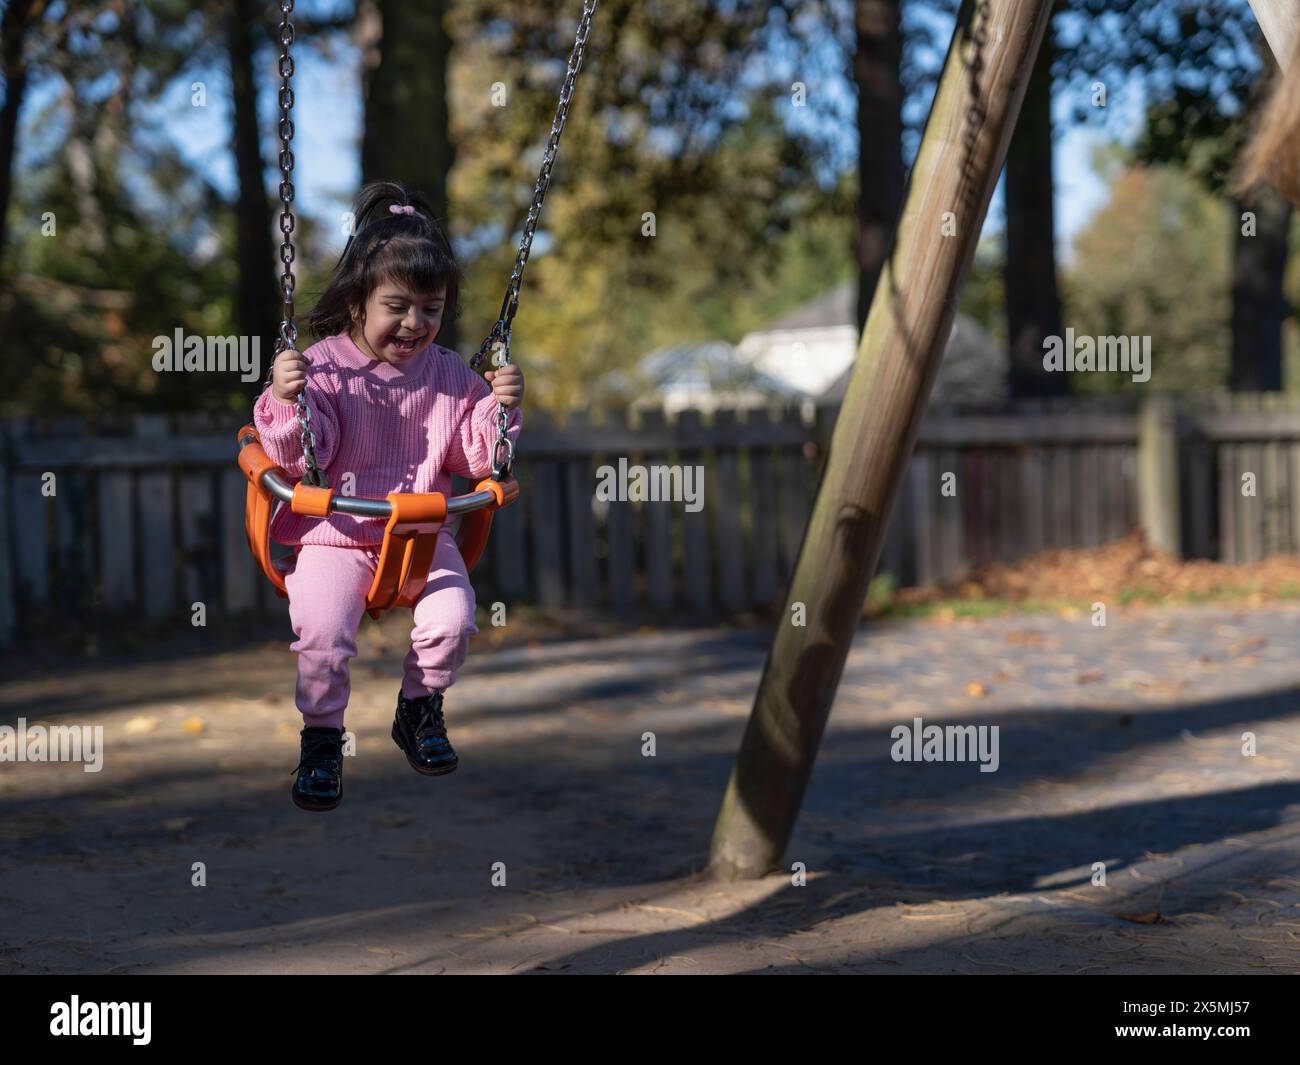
{"x": 807, "y": 354}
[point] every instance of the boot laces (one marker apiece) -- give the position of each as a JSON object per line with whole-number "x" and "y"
{"x": 431, "y": 721}
{"x": 320, "y": 752}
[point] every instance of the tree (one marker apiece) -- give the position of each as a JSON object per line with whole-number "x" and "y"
{"x": 1033, "y": 303}
{"x": 877, "y": 69}
{"x": 406, "y": 52}
{"x": 1192, "y": 130}
{"x": 15, "y": 26}
{"x": 673, "y": 191}
{"x": 1153, "y": 263}
{"x": 1201, "y": 62}
{"x": 255, "y": 301}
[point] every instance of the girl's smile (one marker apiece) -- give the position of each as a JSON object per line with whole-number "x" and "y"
{"x": 398, "y": 323}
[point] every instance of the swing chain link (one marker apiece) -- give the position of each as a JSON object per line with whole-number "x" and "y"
{"x": 288, "y": 338}
{"x": 498, "y": 339}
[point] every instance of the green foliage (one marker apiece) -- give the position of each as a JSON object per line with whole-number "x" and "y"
{"x": 657, "y": 136}
{"x": 1155, "y": 262}
{"x": 983, "y": 296}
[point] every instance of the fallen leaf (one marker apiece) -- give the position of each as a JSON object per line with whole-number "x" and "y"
{"x": 139, "y": 724}
{"x": 1154, "y": 917}
{"x": 976, "y": 690}
{"x": 193, "y": 724}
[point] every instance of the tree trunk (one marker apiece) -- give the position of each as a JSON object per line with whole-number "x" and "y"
{"x": 407, "y": 134}
{"x": 876, "y": 69}
{"x": 1033, "y": 301}
{"x": 962, "y": 151}
{"x": 257, "y": 293}
{"x": 1258, "y": 300}
{"x": 18, "y": 16}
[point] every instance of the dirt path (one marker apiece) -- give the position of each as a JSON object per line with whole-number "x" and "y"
{"x": 1119, "y": 745}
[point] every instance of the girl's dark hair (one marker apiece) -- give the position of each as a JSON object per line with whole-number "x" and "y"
{"x": 409, "y": 249}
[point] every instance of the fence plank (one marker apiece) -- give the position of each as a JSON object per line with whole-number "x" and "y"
{"x": 1200, "y": 498}
{"x": 1060, "y": 505}
{"x": 1228, "y": 496}
{"x": 795, "y": 502}
{"x": 622, "y": 558}
{"x": 928, "y": 508}
{"x": 117, "y": 541}
{"x": 75, "y": 561}
{"x": 509, "y": 556}
{"x": 1273, "y": 496}
{"x": 976, "y": 510}
{"x": 763, "y": 513}
{"x": 1089, "y": 467}
{"x": 697, "y": 566}
{"x": 548, "y": 544}
{"x": 905, "y": 519}
{"x": 1006, "y": 500}
{"x": 660, "y": 587}
{"x": 579, "y": 489}
{"x": 948, "y": 539}
{"x": 1033, "y": 492}
{"x": 725, "y": 503}
{"x": 239, "y": 572}
{"x": 158, "y": 579}
{"x": 1110, "y": 494}
{"x": 1250, "y": 530}
{"x": 198, "y": 540}
{"x": 31, "y": 538}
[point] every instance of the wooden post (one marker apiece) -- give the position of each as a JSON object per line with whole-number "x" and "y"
{"x": 1280, "y": 21}
{"x": 952, "y": 181}
{"x": 1158, "y": 474}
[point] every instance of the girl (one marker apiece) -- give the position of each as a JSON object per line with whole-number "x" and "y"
{"x": 391, "y": 411}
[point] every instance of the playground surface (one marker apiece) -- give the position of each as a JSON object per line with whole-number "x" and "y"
{"x": 1119, "y": 745}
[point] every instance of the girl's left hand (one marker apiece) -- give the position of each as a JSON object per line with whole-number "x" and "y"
{"x": 507, "y": 384}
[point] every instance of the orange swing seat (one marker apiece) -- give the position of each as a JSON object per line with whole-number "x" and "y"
{"x": 410, "y": 535}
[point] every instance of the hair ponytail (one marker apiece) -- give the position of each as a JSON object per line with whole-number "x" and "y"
{"x": 408, "y": 246}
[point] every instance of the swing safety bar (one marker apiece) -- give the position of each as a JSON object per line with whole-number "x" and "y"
{"x": 414, "y": 520}
{"x": 362, "y": 508}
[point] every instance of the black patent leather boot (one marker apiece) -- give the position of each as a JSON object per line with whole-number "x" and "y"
{"x": 320, "y": 769}
{"x": 421, "y": 733}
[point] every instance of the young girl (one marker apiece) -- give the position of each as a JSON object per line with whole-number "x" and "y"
{"x": 391, "y": 411}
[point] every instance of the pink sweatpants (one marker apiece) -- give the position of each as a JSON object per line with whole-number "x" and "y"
{"x": 327, "y": 599}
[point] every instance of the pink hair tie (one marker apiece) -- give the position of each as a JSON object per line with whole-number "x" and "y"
{"x": 404, "y": 209}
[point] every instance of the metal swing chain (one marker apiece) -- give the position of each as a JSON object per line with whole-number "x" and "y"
{"x": 498, "y": 339}
{"x": 288, "y": 338}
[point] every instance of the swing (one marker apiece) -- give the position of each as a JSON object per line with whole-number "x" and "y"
{"x": 414, "y": 519}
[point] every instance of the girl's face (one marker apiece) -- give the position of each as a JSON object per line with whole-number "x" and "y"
{"x": 399, "y": 323}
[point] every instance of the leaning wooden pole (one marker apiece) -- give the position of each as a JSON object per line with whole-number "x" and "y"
{"x": 1273, "y": 154}
{"x": 1280, "y": 21}
{"x": 951, "y": 183}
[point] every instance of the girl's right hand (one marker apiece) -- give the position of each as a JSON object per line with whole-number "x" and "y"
{"x": 288, "y": 375}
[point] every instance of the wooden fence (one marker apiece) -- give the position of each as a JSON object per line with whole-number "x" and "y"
{"x": 143, "y": 516}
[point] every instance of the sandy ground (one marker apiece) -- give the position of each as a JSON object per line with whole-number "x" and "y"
{"x": 1120, "y": 745}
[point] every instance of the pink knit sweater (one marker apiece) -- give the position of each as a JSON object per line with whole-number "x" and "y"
{"x": 394, "y": 428}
